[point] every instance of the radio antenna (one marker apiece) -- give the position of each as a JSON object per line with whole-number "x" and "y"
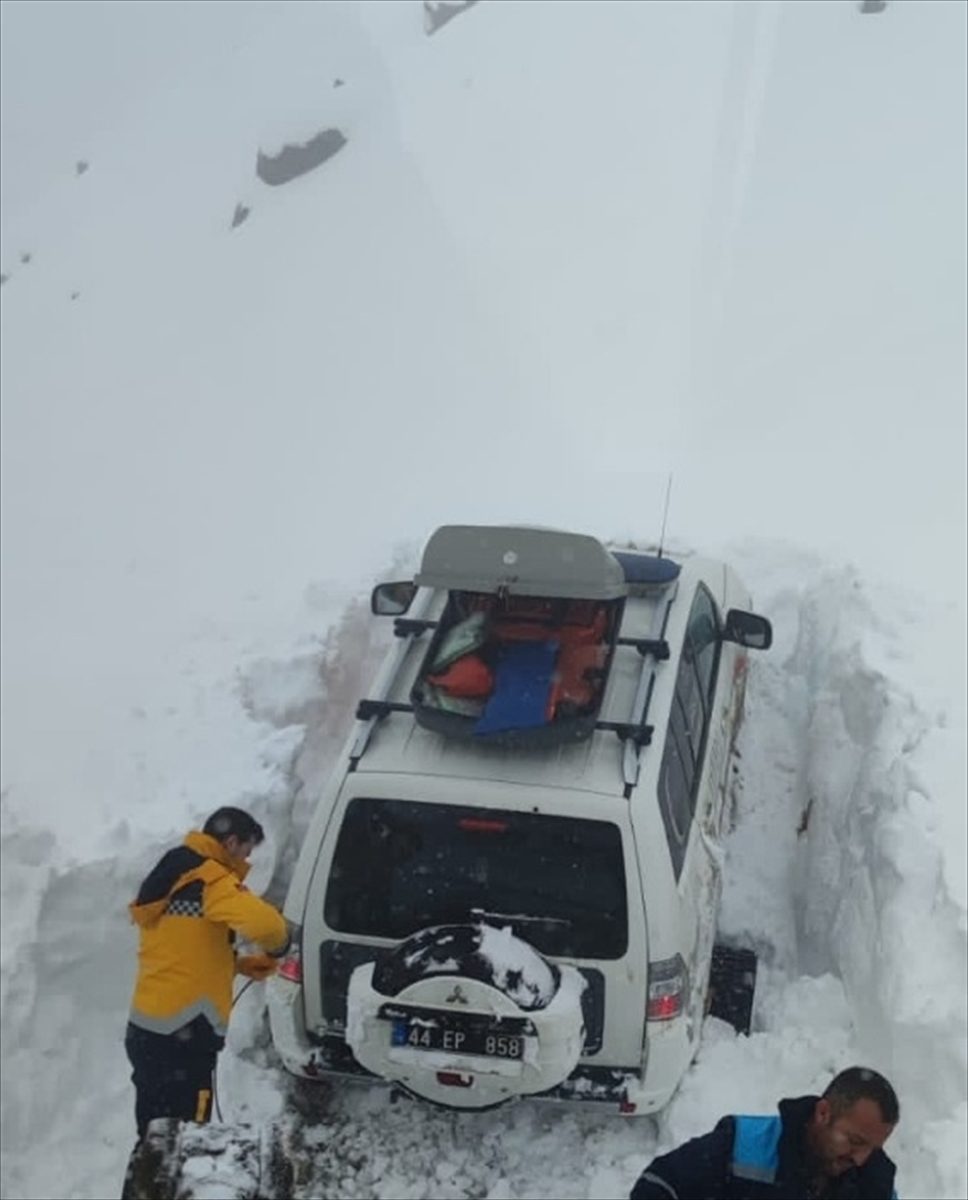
{"x": 665, "y": 513}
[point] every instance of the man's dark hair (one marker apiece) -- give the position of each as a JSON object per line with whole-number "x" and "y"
{"x": 226, "y": 821}
{"x": 861, "y": 1083}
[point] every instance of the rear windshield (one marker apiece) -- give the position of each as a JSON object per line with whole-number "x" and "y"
{"x": 559, "y": 882}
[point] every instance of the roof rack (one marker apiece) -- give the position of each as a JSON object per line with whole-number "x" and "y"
{"x": 635, "y": 732}
{"x": 458, "y": 556}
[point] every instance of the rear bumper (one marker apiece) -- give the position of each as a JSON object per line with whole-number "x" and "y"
{"x": 624, "y": 1090}
{"x": 304, "y": 1054}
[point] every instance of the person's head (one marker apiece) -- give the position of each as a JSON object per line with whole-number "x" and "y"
{"x": 854, "y": 1117}
{"x": 238, "y": 832}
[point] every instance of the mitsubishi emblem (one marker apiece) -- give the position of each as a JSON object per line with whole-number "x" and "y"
{"x": 456, "y": 996}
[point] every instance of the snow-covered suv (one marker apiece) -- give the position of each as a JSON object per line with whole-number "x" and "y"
{"x": 509, "y": 887}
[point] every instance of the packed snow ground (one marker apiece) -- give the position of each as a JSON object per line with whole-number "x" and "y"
{"x": 834, "y": 873}
{"x": 567, "y": 249}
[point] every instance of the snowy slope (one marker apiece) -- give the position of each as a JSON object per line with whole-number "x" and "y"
{"x": 566, "y": 249}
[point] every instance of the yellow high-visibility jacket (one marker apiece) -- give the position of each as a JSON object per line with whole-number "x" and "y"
{"x": 189, "y": 909}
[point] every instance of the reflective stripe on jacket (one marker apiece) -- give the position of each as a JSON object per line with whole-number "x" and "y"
{"x": 188, "y": 910}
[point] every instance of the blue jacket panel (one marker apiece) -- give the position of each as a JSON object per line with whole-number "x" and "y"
{"x": 756, "y": 1148}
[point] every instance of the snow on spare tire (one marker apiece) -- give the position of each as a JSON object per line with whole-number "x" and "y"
{"x": 399, "y": 1023}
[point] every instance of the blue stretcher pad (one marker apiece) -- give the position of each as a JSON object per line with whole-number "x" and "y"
{"x": 522, "y": 682}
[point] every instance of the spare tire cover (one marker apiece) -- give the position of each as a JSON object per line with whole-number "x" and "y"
{"x": 503, "y": 978}
{"x": 482, "y": 952}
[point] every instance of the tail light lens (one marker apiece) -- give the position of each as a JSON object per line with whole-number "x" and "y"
{"x": 668, "y": 985}
{"x": 291, "y": 965}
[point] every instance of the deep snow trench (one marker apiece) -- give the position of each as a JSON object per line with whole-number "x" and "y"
{"x": 835, "y": 872}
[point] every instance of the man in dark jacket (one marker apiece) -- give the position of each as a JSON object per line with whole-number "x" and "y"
{"x": 818, "y": 1148}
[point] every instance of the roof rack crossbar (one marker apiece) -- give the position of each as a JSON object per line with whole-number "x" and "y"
{"x": 366, "y": 710}
{"x": 638, "y": 735}
{"x": 410, "y": 626}
{"x": 657, "y": 648}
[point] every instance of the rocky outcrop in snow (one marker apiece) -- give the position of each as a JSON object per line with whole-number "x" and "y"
{"x": 439, "y": 12}
{"x": 294, "y": 160}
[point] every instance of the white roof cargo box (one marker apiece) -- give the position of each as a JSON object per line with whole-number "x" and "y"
{"x": 521, "y": 561}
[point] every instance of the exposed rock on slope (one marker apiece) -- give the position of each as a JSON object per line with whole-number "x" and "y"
{"x": 439, "y": 12}
{"x": 295, "y": 160}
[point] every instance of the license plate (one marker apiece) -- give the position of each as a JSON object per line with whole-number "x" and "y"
{"x": 420, "y": 1036}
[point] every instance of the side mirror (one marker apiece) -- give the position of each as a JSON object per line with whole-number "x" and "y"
{"x": 392, "y": 599}
{"x": 748, "y": 629}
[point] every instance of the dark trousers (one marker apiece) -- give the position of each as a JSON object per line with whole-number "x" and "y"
{"x": 173, "y": 1074}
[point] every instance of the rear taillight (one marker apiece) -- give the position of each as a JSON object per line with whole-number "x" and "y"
{"x": 668, "y": 984}
{"x": 291, "y": 966}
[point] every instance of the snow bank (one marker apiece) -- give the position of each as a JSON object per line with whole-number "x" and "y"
{"x": 835, "y": 871}
{"x": 839, "y": 862}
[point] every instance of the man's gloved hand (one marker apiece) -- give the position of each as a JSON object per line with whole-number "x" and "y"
{"x": 283, "y": 950}
{"x": 256, "y": 966}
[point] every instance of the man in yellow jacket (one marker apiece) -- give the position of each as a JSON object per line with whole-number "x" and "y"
{"x": 189, "y": 910}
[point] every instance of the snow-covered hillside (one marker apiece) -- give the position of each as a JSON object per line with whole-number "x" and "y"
{"x": 566, "y": 249}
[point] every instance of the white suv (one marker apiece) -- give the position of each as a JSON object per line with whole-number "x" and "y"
{"x": 510, "y": 885}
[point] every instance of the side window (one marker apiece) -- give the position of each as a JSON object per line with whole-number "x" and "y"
{"x": 688, "y": 724}
{"x": 675, "y": 790}
{"x": 702, "y": 638}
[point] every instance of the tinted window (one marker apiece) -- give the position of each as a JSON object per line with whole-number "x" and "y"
{"x": 689, "y": 710}
{"x": 401, "y": 866}
{"x": 702, "y": 640}
{"x": 688, "y": 724}
{"x": 675, "y": 786}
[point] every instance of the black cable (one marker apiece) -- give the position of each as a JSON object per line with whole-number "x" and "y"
{"x": 248, "y": 983}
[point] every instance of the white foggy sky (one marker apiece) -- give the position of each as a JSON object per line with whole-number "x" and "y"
{"x": 569, "y": 249}
{"x": 758, "y": 277}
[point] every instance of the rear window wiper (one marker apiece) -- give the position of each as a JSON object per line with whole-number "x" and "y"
{"x": 520, "y": 918}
